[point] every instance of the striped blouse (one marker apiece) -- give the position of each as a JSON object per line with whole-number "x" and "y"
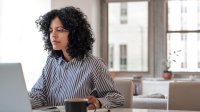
{"x": 75, "y": 79}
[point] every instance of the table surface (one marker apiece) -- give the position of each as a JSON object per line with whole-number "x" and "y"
{"x": 61, "y": 109}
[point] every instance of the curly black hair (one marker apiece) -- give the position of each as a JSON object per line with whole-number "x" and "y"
{"x": 80, "y": 37}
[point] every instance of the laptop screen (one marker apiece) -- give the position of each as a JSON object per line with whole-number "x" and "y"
{"x": 13, "y": 93}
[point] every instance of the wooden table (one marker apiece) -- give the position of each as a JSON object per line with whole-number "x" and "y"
{"x": 61, "y": 109}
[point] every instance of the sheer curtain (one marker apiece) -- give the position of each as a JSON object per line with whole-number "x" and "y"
{"x": 20, "y": 40}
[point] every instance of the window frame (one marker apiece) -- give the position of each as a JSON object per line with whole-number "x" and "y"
{"x": 182, "y": 73}
{"x": 104, "y": 39}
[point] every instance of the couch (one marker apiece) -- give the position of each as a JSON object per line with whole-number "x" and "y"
{"x": 126, "y": 88}
{"x": 184, "y": 96}
{"x": 149, "y": 103}
{"x": 152, "y": 101}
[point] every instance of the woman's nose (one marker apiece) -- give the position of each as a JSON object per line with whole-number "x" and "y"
{"x": 53, "y": 34}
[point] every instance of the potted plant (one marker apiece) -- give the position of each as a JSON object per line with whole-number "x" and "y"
{"x": 167, "y": 73}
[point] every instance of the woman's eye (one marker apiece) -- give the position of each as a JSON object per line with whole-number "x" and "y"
{"x": 60, "y": 30}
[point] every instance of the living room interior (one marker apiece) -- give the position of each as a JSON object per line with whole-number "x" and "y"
{"x": 139, "y": 40}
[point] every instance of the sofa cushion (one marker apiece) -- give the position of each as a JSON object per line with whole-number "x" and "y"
{"x": 155, "y": 95}
{"x": 149, "y": 103}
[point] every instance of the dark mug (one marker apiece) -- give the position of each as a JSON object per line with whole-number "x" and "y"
{"x": 77, "y": 105}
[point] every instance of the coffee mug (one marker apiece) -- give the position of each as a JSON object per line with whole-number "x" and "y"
{"x": 77, "y": 105}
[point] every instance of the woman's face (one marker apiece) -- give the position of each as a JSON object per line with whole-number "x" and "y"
{"x": 58, "y": 35}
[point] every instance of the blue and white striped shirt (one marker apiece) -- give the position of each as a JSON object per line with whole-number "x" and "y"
{"x": 75, "y": 79}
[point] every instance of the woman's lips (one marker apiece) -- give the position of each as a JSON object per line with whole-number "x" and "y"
{"x": 55, "y": 42}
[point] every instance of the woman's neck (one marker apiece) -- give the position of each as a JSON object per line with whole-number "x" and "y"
{"x": 66, "y": 56}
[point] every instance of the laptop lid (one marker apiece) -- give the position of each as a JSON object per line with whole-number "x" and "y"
{"x": 13, "y": 93}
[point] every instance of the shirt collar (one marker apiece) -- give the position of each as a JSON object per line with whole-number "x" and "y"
{"x": 61, "y": 60}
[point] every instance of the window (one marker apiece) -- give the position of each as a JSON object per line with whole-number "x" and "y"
{"x": 123, "y": 57}
{"x": 128, "y": 36}
{"x": 20, "y": 40}
{"x": 111, "y": 56}
{"x": 123, "y": 13}
{"x": 183, "y": 33}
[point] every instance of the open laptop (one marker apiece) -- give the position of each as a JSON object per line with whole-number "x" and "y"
{"x": 13, "y": 93}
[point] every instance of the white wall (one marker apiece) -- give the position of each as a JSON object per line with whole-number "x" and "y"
{"x": 20, "y": 40}
{"x": 92, "y": 9}
{"x": 0, "y": 26}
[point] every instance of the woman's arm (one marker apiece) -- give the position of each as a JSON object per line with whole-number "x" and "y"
{"x": 39, "y": 90}
{"x": 37, "y": 95}
{"x": 108, "y": 95}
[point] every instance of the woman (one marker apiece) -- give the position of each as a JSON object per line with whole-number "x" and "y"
{"x": 70, "y": 70}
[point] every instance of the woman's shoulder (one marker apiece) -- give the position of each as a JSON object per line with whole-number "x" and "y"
{"x": 96, "y": 64}
{"x": 52, "y": 59}
{"x": 90, "y": 58}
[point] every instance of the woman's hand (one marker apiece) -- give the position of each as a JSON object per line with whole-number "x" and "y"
{"x": 95, "y": 101}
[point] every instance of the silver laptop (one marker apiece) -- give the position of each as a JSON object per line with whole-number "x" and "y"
{"x": 13, "y": 93}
